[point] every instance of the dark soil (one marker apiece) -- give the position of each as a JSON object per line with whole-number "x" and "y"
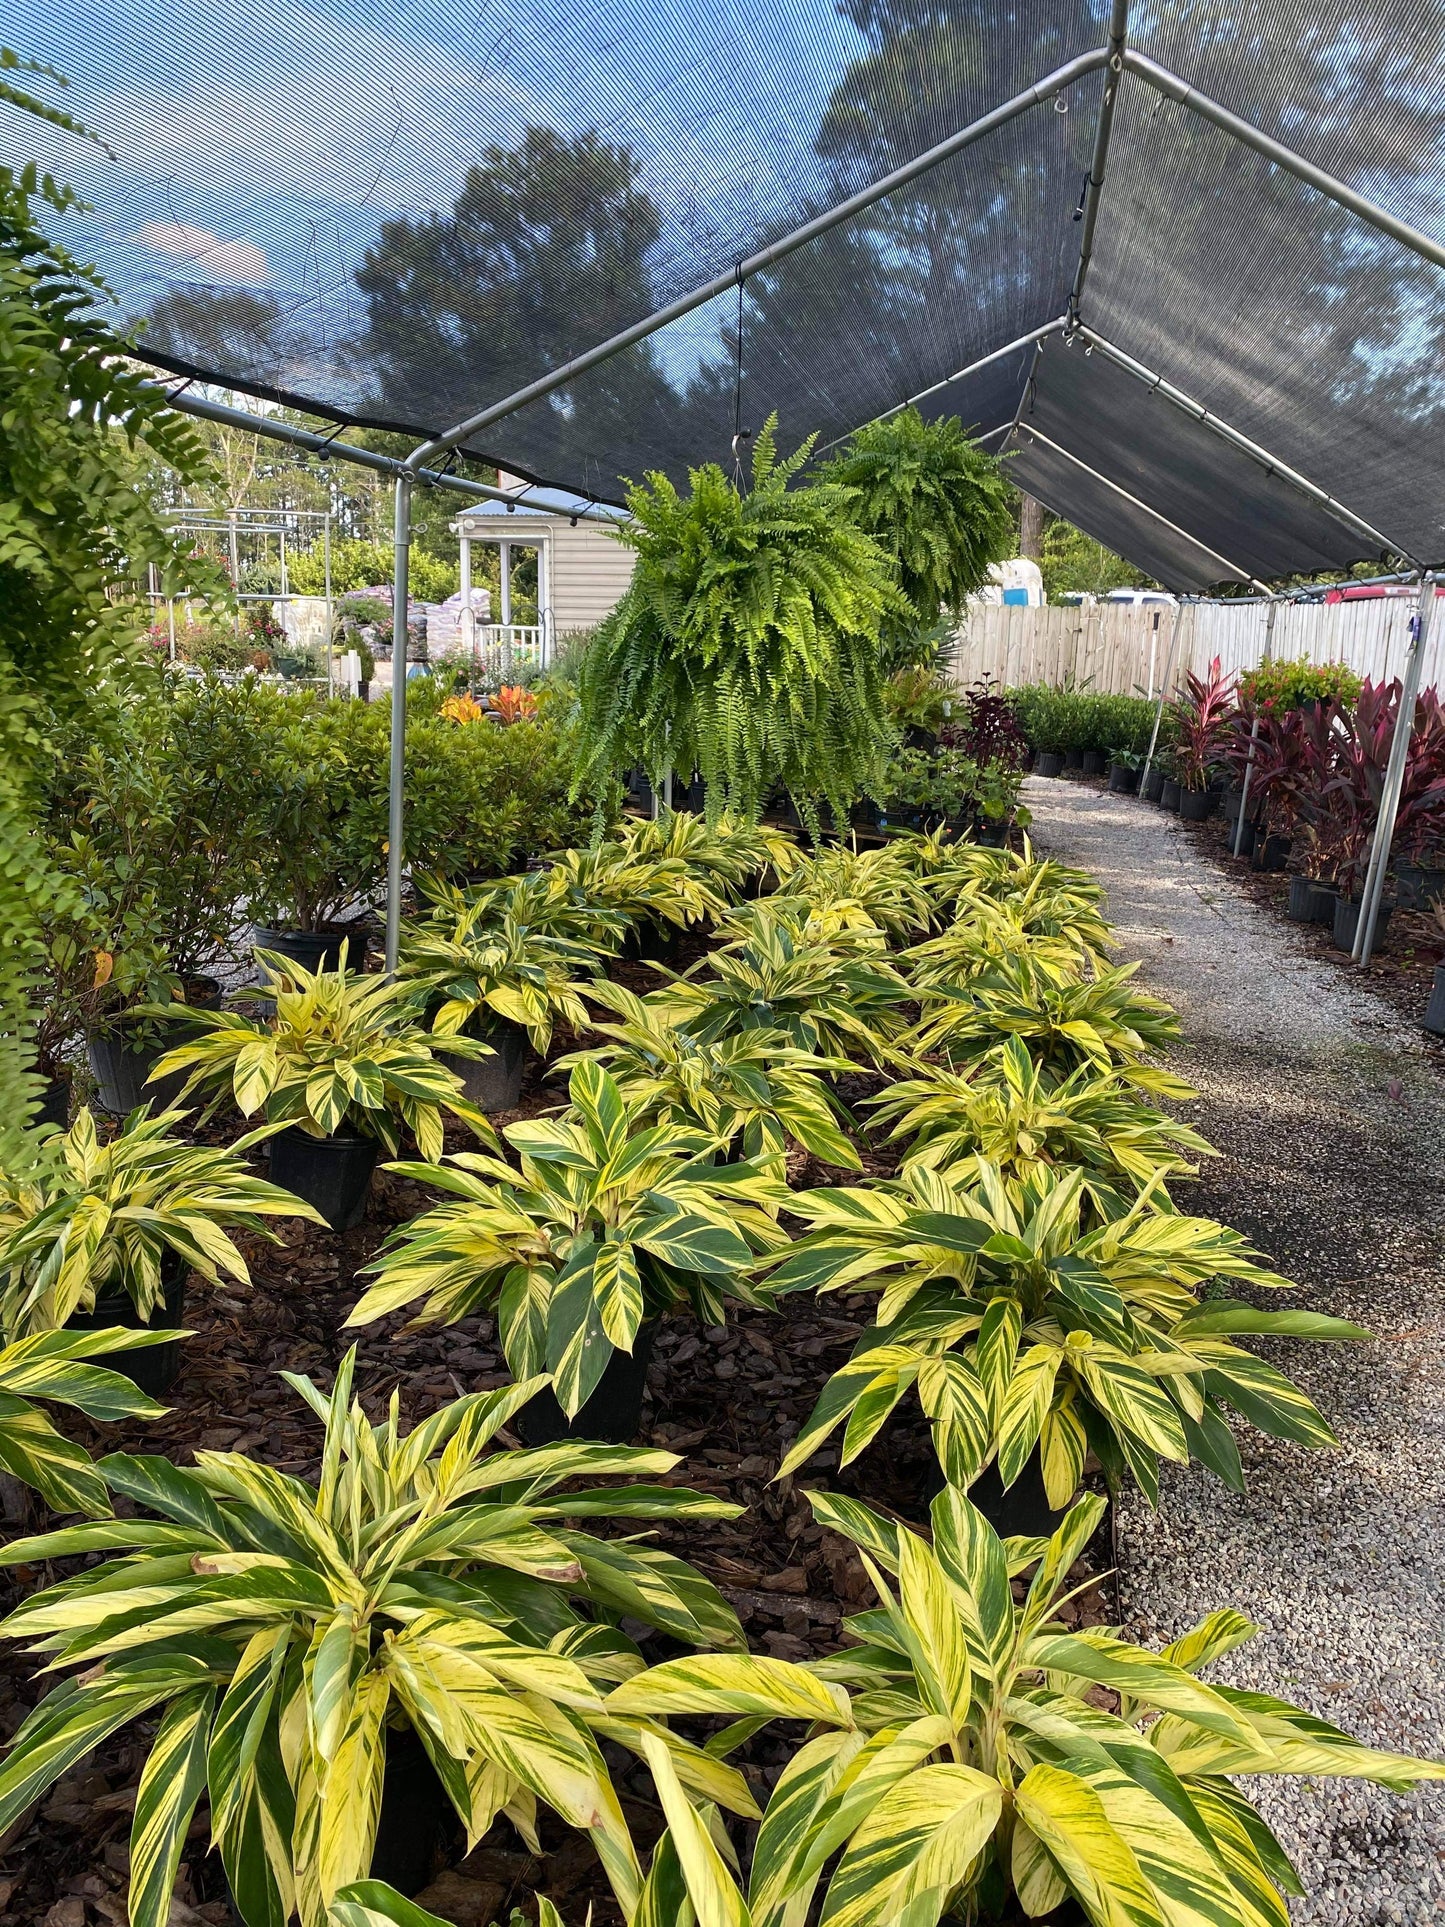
{"x": 728, "y": 1400}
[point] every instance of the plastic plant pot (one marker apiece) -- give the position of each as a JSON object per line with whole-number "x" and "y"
{"x": 316, "y": 949}
{"x": 613, "y": 1414}
{"x": 1243, "y": 833}
{"x": 1301, "y": 905}
{"x": 1270, "y": 853}
{"x": 1093, "y": 763}
{"x": 1123, "y": 781}
{"x": 332, "y": 1174}
{"x": 1169, "y": 794}
{"x": 1073, "y": 759}
{"x": 1435, "y": 1009}
{"x": 1196, "y": 805}
{"x": 1051, "y": 762}
{"x": 1418, "y": 886}
{"x": 492, "y": 1083}
{"x": 155, "y": 1370}
{"x": 1346, "y": 922}
{"x": 1323, "y": 897}
{"x": 1023, "y": 1510}
{"x": 1151, "y": 785}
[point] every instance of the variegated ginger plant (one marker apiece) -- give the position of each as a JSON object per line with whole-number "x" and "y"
{"x": 1023, "y": 1330}
{"x": 280, "y": 1627}
{"x": 969, "y": 1761}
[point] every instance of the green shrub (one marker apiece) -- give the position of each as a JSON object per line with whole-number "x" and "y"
{"x": 1058, "y": 720}
{"x": 1290, "y": 685}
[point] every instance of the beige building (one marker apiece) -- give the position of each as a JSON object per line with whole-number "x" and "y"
{"x": 582, "y": 573}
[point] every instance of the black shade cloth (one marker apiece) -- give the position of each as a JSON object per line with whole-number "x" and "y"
{"x": 395, "y": 212}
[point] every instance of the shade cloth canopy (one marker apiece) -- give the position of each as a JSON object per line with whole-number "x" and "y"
{"x": 399, "y": 212}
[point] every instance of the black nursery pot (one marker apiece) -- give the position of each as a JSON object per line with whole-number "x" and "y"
{"x": 1169, "y": 794}
{"x": 492, "y": 1083}
{"x": 1050, "y": 763}
{"x": 1123, "y": 781}
{"x": 316, "y": 949}
{"x": 123, "y": 1052}
{"x": 1418, "y": 885}
{"x": 1435, "y": 1009}
{"x": 1152, "y": 785}
{"x": 1196, "y": 805}
{"x": 55, "y": 1105}
{"x": 153, "y": 1370}
{"x": 1301, "y": 905}
{"x": 1023, "y": 1510}
{"x": 1073, "y": 759}
{"x": 1270, "y": 853}
{"x": 1346, "y": 922}
{"x": 332, "y": 1174}
{"x": 649, "y": 942}
{"x": 613, "y": 1414}
{"x": 1093, "y": 762}
{"x": 1244, "y": 834}
{"x": 1323, "y": 897}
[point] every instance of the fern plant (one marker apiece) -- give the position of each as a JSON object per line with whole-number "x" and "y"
{"x": 748, "y": 644}
{"x": 937, "y": 503}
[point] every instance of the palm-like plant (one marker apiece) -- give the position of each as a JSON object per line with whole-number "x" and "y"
{"x": 1201, "y": 721}
{"x": 1023, "y": 1331}
{"x": 1104, "y": 1024}
{"x": 1008, "y": 1113}
{"x": 752, "y": 1085}
{"x": 341, "y": 1050}
{"x": 824, "y": 997}
{"x": 281, "y": 1627}
{"x": 979, "y": 1765}
{"x": 606, "y": 1220}
{"x": 95, "y": 1219}
{"x": 482, "y": 971}
{"x": 879, "y": 882}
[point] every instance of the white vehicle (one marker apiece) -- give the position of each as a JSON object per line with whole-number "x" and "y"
{"x": 1143, "y": 598}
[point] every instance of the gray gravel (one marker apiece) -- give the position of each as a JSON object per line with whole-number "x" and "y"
{"x": 1331, "y": 1118}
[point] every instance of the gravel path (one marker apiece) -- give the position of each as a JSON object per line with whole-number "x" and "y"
{"x": 1331, "y": 1122}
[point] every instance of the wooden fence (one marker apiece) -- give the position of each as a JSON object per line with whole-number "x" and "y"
{"x": 1118, "y": 650}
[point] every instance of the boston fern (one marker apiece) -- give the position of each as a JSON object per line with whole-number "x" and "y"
{"x": 933, "y": 500}
{"x": 280, "y": 1629}
{"x": 747, "y": 644}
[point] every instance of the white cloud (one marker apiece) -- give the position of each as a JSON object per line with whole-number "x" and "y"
{"x": 238, "y": 263}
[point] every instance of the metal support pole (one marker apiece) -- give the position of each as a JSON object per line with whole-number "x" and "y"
{"x": 206, "y": 410}
{"x": 171, "y": 623}
{"x": 1394, "y": 776}
{"x": 1163, "y": 691}
{"x": 727, "y": 282}
{"x": 330, "y": 618}
{"x": 400, "y": 596}
{"x": 1238, "y": 838}
{"x": 236, "y": 573}
{"x": 504, "y": 586}
{"x": 1153, "y": 653}
{"x": 1094, "y": 182}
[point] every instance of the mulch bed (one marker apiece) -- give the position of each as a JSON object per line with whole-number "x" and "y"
{"x": 728, "y": 1400}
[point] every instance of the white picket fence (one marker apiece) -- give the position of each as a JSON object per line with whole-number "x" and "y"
{"x": 1117, "y": 650}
